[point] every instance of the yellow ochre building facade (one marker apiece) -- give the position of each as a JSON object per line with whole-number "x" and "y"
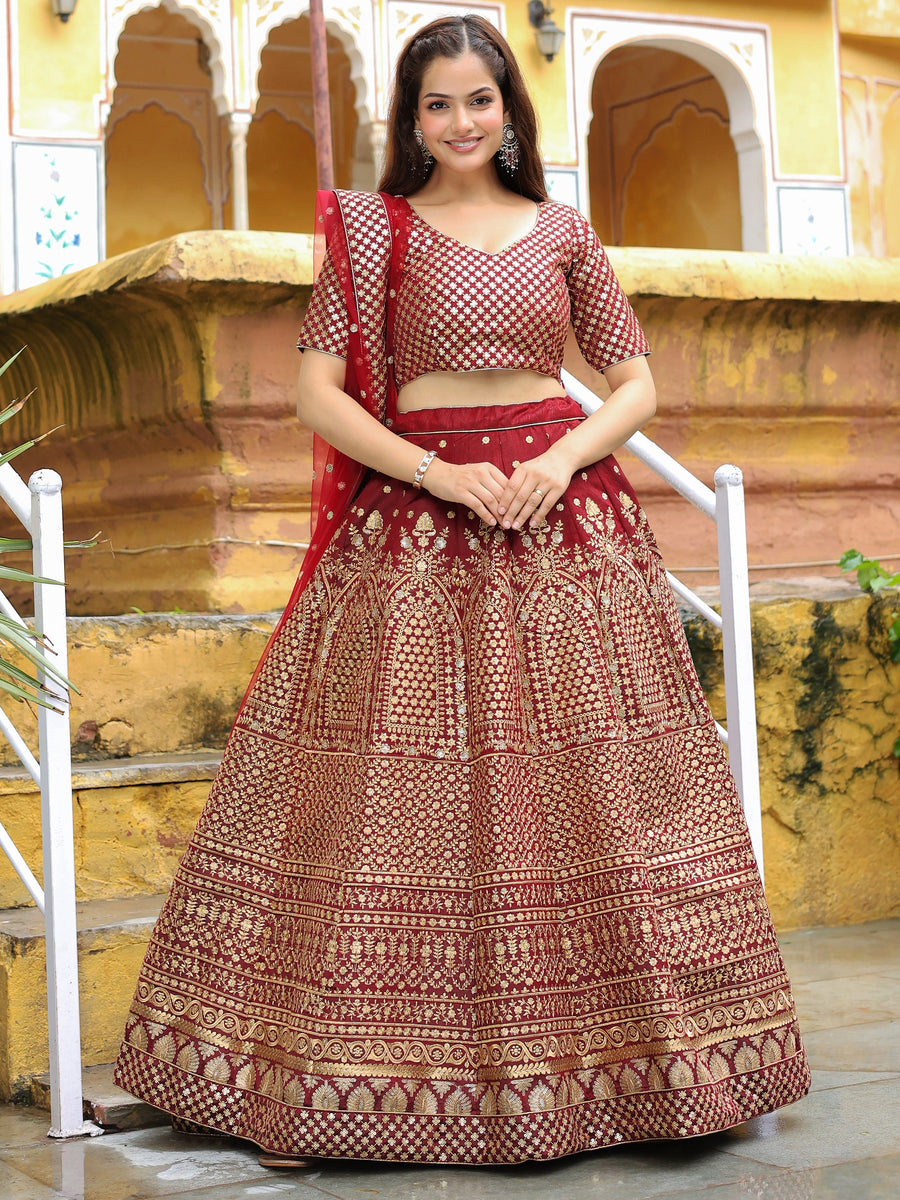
{"x": 762, "y": 125}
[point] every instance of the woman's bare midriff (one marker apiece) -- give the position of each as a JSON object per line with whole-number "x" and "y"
{"x": 468, "y": 389}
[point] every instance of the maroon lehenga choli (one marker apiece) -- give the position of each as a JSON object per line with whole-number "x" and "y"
{"x": 473, "y": 883}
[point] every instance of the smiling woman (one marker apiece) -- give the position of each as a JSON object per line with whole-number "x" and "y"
{"x": 473, "y": 883}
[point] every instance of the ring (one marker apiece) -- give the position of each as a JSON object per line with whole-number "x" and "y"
{"x": 538, "y": 492}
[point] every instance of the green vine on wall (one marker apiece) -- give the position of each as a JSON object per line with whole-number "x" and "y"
{"x": 872, "y": 577}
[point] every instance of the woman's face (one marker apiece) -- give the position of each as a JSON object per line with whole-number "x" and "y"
{"x": 460, "y": 113}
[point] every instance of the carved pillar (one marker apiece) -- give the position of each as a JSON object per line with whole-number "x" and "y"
{"x": 378, "y": 133}
{"x": 238, "y": 125}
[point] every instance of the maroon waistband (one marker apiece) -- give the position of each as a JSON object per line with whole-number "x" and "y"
{"x": 487, "y": 417}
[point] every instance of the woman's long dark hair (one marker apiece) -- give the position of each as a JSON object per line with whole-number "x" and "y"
{"x": 451, "y": 37}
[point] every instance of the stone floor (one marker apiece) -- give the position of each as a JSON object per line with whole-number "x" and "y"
{"x": 841, "y": 1142}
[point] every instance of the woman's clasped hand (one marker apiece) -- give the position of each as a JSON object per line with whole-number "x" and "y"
{"x": 525, "y": 497}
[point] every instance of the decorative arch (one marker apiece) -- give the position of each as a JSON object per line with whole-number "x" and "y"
{"x": 354, "y": 28}
{"x": 737, "y": 56}
{"x": 213, "y": 20}
{"x": 281, "y": 153}
{"x": 158, "y": 80}
{"x": 660, "y": 117}
{"x": 134, "y": 215}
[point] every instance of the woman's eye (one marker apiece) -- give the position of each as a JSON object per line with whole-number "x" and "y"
{"x": 436, "y": 104}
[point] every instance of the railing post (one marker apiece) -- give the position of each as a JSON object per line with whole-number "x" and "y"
{"x": 57, "y": 831}
{"x": 737, "y": 647}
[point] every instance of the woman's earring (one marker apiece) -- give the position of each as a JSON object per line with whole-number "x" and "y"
{"x": 427, "y": 156}
{"x": 508, "y": 154}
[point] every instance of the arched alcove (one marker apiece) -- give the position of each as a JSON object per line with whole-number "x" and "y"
{"x": 154, "y": 179}
{"x": 662, "y": 168}
{"x": 281, "y": 159}
{"x": 166, "y": 145}
{"x": 736, "y": 57}
{"x": 209, "y": 26}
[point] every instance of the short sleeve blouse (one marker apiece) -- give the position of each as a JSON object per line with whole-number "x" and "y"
{"x": 463, "y": 309}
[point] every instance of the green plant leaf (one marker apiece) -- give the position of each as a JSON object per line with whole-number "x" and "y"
{"x": 32, "y": 646}
{"x": 12, "y": 409}
{"x": 25, "y": 577}
{"x": 23, "y": 677}
{"x": 10, "y": 454}
{"x": 9, "y": 362}
{"x": 872, "y": 577}
{"x": 850, "y": 560}
{"x": 41, "y": 697}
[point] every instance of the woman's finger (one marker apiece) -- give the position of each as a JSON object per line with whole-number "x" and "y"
{"x": 494, "y": 487}
{"x": 480, "y": 508}
{"x": 524, "y": 503}
{"x": 540, "y": 514}
{"x": 488, "y": 498}
{"x": 498, "y": 477}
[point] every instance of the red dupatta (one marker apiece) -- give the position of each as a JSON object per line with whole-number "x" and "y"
{"x": 366, "y": 234}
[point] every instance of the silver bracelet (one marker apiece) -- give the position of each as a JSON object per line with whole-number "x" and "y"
{"x": 423, "y": 467}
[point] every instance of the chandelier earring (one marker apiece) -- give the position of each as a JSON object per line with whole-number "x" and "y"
{"x": 508, "y": 154}
{"x": 427, "y": 156}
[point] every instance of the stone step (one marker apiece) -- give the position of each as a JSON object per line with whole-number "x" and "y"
{"x": 104, "y": 1102}
{"x": 153, "y": 683}
{"x": 133, "y": 818}
{"x": 112, "y": 939}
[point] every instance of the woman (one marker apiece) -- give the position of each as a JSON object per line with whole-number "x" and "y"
{"x": 473, "y": 883}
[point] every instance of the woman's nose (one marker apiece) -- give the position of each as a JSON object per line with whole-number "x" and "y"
{"x": 462, "y": 120}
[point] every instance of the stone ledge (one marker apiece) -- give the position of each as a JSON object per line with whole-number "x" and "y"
{"x": 104, "y": 1102}
{"x": 122, "y": 772}
{"x": 112, "y": 941}
{"x": 188, "y": 259}
{"x": 263, "y": 258}
{"x": 21, "y": 926}
{"x": 743, "y": 275}
{"x": 173, "y": 369}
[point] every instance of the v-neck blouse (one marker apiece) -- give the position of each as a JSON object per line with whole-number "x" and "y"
{"x": 462, "y": 309}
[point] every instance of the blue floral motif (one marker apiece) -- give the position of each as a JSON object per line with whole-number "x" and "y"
{"x": 59, "y": 233}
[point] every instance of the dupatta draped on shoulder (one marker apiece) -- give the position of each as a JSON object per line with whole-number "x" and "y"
{"x": 365, "y": 234}
{"x": 356, "y": 229}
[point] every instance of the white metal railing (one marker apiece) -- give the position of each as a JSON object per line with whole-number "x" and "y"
{"x": 38, "y": 505}
{"x": 725, "y": 506}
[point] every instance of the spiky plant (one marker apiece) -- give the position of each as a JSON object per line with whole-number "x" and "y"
{"x": 29, "y": 644}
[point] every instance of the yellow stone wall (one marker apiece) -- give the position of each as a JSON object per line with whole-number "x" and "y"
{"x": 60, "y": 70}
{"x": 828, "y": 707}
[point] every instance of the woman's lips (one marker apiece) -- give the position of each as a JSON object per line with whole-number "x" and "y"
{"x": 464, "y": 145}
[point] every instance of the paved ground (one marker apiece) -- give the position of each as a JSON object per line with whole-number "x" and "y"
{"x": 841, "y": 1143}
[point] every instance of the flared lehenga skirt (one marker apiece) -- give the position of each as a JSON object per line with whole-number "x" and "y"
{"x": 473, "y": 883}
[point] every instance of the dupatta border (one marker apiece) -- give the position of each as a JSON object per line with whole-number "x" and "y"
{"x": 366, "y": 234}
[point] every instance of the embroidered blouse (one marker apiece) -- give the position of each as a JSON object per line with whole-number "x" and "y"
{"x": 463, "y": 309}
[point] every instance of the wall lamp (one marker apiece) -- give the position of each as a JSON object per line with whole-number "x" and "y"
{"x": 63, "y": 9}
{"x": 547, "y": 33}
